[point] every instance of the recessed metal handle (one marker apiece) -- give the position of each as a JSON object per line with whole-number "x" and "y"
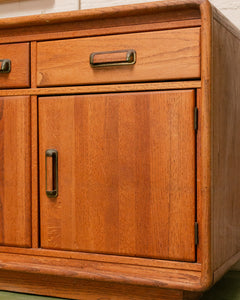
{"x": 113, "y": 58}
{"x": 54, "y": 155}
{"x": 5, "y": 66}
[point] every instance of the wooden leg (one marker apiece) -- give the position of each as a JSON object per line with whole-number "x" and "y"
{"x": 71, "y": 288}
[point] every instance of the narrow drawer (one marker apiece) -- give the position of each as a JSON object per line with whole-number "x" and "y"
{"x": 14, "y": 62}
{"x": 137, "y": 57}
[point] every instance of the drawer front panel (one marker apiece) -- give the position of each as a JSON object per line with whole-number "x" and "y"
{"x": 124, "y": 176}
{"x": 160, "y": 55}
{"x": 18, "y": 76}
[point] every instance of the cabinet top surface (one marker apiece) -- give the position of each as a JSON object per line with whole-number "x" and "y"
{"x": 188, "y": 9}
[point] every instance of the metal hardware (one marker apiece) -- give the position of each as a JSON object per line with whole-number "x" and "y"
{"x": 54, "y": 154}
{"x": 129, "y": 59}
{"x": 5, "y": 66}
{"x": 196, "y": 233}
{"x": 195, "y": 118}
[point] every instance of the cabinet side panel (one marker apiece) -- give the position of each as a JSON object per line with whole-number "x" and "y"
{"x": 226, "y": 147}
{"x": 15, "y": 225}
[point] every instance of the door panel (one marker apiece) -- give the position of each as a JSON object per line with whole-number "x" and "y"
{"x": 15, "y": 205}
{"x": 126, "y": 174}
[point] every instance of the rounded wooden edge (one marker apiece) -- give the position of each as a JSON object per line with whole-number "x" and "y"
{"x": 103, "y": 271}
{"x": 206, "y": 69}
{"x": 99, "y": 13}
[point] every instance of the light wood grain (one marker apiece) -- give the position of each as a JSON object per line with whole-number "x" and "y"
{"x": 15, "y": 198}
{"x": 70, "y": 288}
{"x": 204, "y": 162}
{"x": 34, "y": 173}
{"x": 111, "y": 195}
{"x": 87, "y": 275}
{"x": 184, "y": 9}
{"x": 33, "y": 64}
{"x": 87, "y": 29}
{"x": 19, "y": 56}
{"x": 160, "y": 56}
{"x": 226, "y": 145}
{"x": 150, "y": 86}
{"x": 102, "y": 271}
{"x": 163, "y": 264}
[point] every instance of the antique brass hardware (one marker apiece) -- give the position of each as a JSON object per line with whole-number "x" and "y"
{"x": 5, "y": 66}
{"x": 113, "y": 58}
{"x": 54, "y": 155}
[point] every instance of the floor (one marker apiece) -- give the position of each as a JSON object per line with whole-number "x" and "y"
{"x": 226, "y": 289}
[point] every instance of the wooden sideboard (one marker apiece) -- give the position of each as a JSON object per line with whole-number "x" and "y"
{"x": 119, "y": 151}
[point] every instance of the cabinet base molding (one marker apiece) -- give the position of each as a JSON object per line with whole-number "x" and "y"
{"x": 72, "y": 288}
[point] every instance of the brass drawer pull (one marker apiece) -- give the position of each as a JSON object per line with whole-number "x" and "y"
{"x": 54, "y": 155}
{"x": 113, "y": 58}
{"x": 5, "y": 66}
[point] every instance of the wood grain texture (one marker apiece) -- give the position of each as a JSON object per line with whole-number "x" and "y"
{"x": 20, "y": 66}
{"x": 15, "y": 175}
{"x": 102, "y": 271}
{"x": 149, "y": 86}
{"x": 33, "y": 56}
{"x": 147, "y": 262}
{"x": 24, "y": 265}
{"x": 134, "y": 18}
{"x": 88, "y": 29}
{"x": 180, "y": 7}
{"x": 34, "y": 173}
{"x": 204, "y": 164}
{"x": 226, "y": 145}
{"x": 83, "y": 289}
{"x": 160, "y": 55}
{"x": 113, "y": 196}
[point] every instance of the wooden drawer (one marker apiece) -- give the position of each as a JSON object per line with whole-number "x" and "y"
{"x": 18, "y": 76}
{"x": 160, "y": 55}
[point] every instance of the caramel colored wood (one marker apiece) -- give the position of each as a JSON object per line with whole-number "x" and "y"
{"x": 131, "y": 18}
{"x": 20, "y": 66}
{"x": 147, "y": 262}
{"x": 163, "y": 55}
{"x": 225, "y": 145}
{"x": 204, "y": 137}
{"x": 42, "y": 33}
{"x": 212, "y": 198}
{"x": 33, "y": 64}
{"x": 150, "y": 86}
{"x": 103, "y": 271}
{"x": 34, "y": 173}
{"x": 15, "y": 198}
{"x": 112, "y": 197}
{"x": 84, "y": 289}
{"x": 177, "y": 9}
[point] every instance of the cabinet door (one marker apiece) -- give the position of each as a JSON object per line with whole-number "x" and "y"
{"x": 15, "y": 205}
{"x": 126, "y": 174}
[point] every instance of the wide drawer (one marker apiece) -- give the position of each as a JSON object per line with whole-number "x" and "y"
{"x": 15, "y": 66}
{"x": 137, "y": 57}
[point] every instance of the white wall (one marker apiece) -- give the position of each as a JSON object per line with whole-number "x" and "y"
{"x": 32, "y": 7}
